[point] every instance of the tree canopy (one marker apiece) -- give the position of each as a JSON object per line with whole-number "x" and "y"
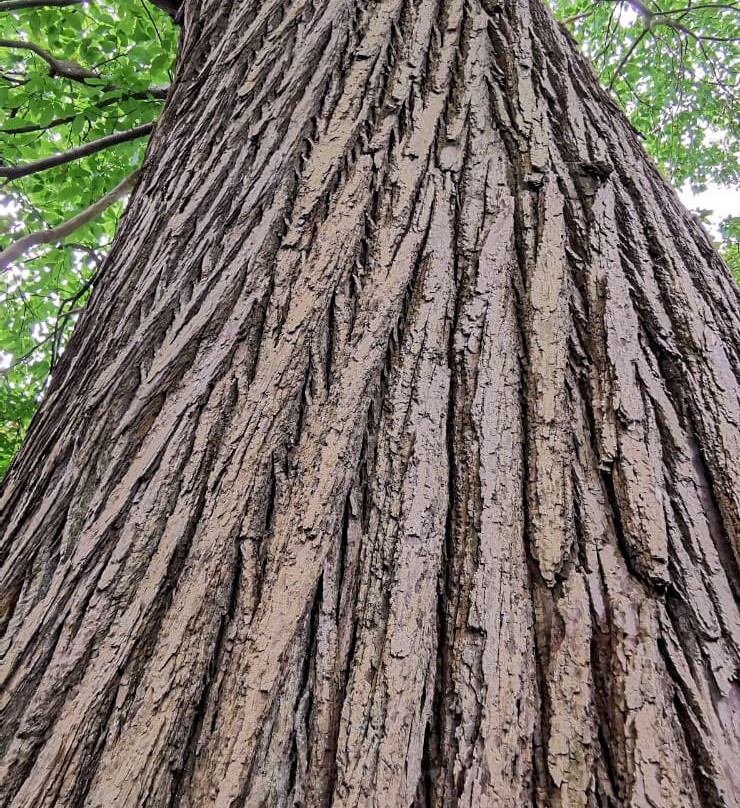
{"x": 82, "y": 83}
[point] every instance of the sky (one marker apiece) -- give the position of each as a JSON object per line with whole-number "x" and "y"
{"x": 723, "y": 202}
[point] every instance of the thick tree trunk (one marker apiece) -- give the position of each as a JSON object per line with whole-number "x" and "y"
{"x": 394, "y": 460}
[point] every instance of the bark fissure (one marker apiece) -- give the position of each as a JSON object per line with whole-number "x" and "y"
{"x": 392, "y": 461}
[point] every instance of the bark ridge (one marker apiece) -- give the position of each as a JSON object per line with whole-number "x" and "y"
{"x": 394, "y": 461}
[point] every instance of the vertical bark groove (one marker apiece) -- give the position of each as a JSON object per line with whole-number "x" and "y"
{"x": 393, "y": 462}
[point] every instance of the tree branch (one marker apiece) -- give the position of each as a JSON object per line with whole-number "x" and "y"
{"x": 623, "y": 61}
{"x": 17, "y": 248}
{"x": 57, "y": 67}
{"x": 575, "y": 17}
{"x": 700, "y": 6}
{"x": 15, "y": 5}
{"x": 655, "y": 18}
{"x": 15, "y": 172}
{"x": 157, "y": 93}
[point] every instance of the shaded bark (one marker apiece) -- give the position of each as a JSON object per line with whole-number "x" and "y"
{"x": 394, "y": 460}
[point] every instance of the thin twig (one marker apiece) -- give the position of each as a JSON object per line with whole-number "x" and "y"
{"x": 576, "y": 17}
{"x": 153, "y": 93}
{"x": 151, "y": 20}
{"x": 623, "y": 61}
{"x": 86, "y": 149}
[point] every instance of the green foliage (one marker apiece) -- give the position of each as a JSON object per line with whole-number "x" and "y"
{"x": 130, "y": 45}
{"x": 673, "y": 67}
{"x": 99, "y": 67}
{"x": 730, "y": 248}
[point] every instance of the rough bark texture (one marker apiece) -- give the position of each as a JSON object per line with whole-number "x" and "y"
{"x": 394, "y": 462}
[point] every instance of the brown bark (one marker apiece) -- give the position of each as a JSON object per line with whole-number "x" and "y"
{"x": 394, "y": 460}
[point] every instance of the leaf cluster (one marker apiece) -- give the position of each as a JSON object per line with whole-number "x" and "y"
{"x": 673, "y": 67}
{"x": 98, "y": 68}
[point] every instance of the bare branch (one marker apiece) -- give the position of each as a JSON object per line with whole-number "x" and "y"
{"x": 17, "y": 248}
{"x": 15, "y": 172}
{"x": 57, "y": 67}
{"x": 700, "y": 6}
{"x": 655, "y": 18}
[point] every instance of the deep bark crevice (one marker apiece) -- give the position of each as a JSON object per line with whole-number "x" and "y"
{"x": 392, "y": 461}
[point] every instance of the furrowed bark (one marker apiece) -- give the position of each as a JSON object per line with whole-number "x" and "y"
{"x": 393, "y": 460}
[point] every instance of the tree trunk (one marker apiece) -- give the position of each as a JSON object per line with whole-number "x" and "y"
{"x": 394, "y": 459}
